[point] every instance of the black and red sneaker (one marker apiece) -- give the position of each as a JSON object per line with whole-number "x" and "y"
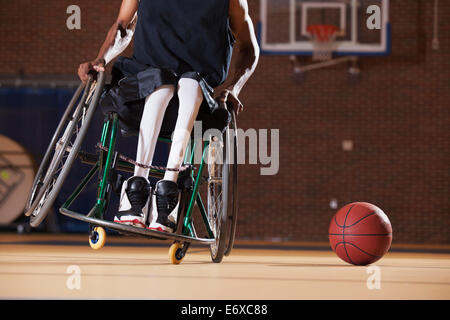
{"x": 165, "y": 204}
{"x": 134, "y": 202}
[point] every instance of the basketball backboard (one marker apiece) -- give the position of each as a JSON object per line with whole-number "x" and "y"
{"x": 283, "y": 26}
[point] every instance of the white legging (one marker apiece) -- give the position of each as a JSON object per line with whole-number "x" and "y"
{"x": 190, "y": 96}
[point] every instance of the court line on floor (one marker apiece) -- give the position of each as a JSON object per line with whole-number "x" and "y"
{"x": 236, "y": 246}
{"x": 133, "y": 262}
{"x": 222, "y": 278}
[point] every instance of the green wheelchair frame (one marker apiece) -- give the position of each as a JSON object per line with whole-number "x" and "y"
{"x": 218, "y": 161}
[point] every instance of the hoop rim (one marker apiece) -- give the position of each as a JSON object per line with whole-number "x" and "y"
{"x": 323, "y": 32}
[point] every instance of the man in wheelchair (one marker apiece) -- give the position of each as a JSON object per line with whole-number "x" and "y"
{"x": 182, "y": 49}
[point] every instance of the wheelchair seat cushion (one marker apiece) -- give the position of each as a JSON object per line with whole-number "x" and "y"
{"x": 132, "y": 82}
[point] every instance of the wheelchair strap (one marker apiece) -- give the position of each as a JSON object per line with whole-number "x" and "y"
{"x": 127, "y": 159}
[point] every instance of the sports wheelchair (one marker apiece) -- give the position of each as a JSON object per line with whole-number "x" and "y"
{"x": 214, "y": 178}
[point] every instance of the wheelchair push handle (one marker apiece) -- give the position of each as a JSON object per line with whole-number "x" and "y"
{"x": 95, "y": 75}
{"x": 90, "y": 68}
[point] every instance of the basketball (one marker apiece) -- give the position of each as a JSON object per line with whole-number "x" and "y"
{"x": 360, "y": 233}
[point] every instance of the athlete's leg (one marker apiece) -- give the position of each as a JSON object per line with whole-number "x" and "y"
{"x": 191, "y": 97}
{"x": 136, "y": 190}
{"x": 165, "y": 202}
{"x": 151, "y": 121}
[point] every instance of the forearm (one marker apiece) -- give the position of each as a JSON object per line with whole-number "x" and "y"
{"x": 109, "y": 40}
{"x": 247, "y": 55}
{"x": 245, "y": 64}
{"x": 127, "y": 11}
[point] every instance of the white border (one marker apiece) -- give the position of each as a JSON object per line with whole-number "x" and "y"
{"x": 341, "y": 46}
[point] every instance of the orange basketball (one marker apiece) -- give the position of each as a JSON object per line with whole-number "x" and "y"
{"x": 360, "y": 233}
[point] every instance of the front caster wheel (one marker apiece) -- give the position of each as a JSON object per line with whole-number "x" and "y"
{"x": 97, "y": 238}
{"x": 176, "y": 253}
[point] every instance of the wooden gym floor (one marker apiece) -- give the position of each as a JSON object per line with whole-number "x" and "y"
{"x": 41, "y": 266}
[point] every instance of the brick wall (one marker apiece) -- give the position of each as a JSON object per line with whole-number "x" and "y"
{"x": 397, "y": 115}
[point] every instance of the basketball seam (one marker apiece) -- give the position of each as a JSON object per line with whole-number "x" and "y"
{"x": 372, "y": 213}
{"x": 344, "y": 243}
{"x": 335, "y": 221}
{"x": 344, "y": 226}
{"x": 343, "y": 234}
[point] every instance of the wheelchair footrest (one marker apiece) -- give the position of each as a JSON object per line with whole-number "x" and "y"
{"x": 134, "y": 230}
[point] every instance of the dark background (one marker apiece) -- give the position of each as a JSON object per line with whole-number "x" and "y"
{"x": 397, "y": 115}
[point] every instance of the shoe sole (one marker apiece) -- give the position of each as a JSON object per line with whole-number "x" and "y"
{"x": 159, "y": 229}
{"x": 133, "y": 223}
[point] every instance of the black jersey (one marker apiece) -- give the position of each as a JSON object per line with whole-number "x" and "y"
{"x": 185, "y": 36}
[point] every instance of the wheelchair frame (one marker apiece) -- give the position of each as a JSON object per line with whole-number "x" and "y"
{"x": 220, "y": 233}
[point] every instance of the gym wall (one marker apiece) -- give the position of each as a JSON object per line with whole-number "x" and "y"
{"x": 397, "y": 116}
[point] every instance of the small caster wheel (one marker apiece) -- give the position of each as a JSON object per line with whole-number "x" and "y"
{"x": 176, "y": 253}
{"x": 97, "y": 238}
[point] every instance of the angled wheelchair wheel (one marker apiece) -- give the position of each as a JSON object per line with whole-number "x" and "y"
{"x": 233, "y": 186}
{"x": 63, "y": 150}
{"x": 222, "y": 191}
{"x": 38, "y": 179}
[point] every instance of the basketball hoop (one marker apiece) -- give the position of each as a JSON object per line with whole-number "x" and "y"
{"x": 322, "y": 36}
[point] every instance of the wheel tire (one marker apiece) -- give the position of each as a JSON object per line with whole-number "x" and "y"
{"x": 233, "y": 204}
{"x": 45, "y": 161}
{"x": 225, "y": 236}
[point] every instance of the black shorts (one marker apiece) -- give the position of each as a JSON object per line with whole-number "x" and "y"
{"x": 132, "y": 82}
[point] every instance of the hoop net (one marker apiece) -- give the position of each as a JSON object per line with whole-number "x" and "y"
{"x": 322, "y": 36}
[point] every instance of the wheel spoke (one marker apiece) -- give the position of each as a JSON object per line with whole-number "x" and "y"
{"x": 59, "y": 156}
{"x": 55, "y": 167}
